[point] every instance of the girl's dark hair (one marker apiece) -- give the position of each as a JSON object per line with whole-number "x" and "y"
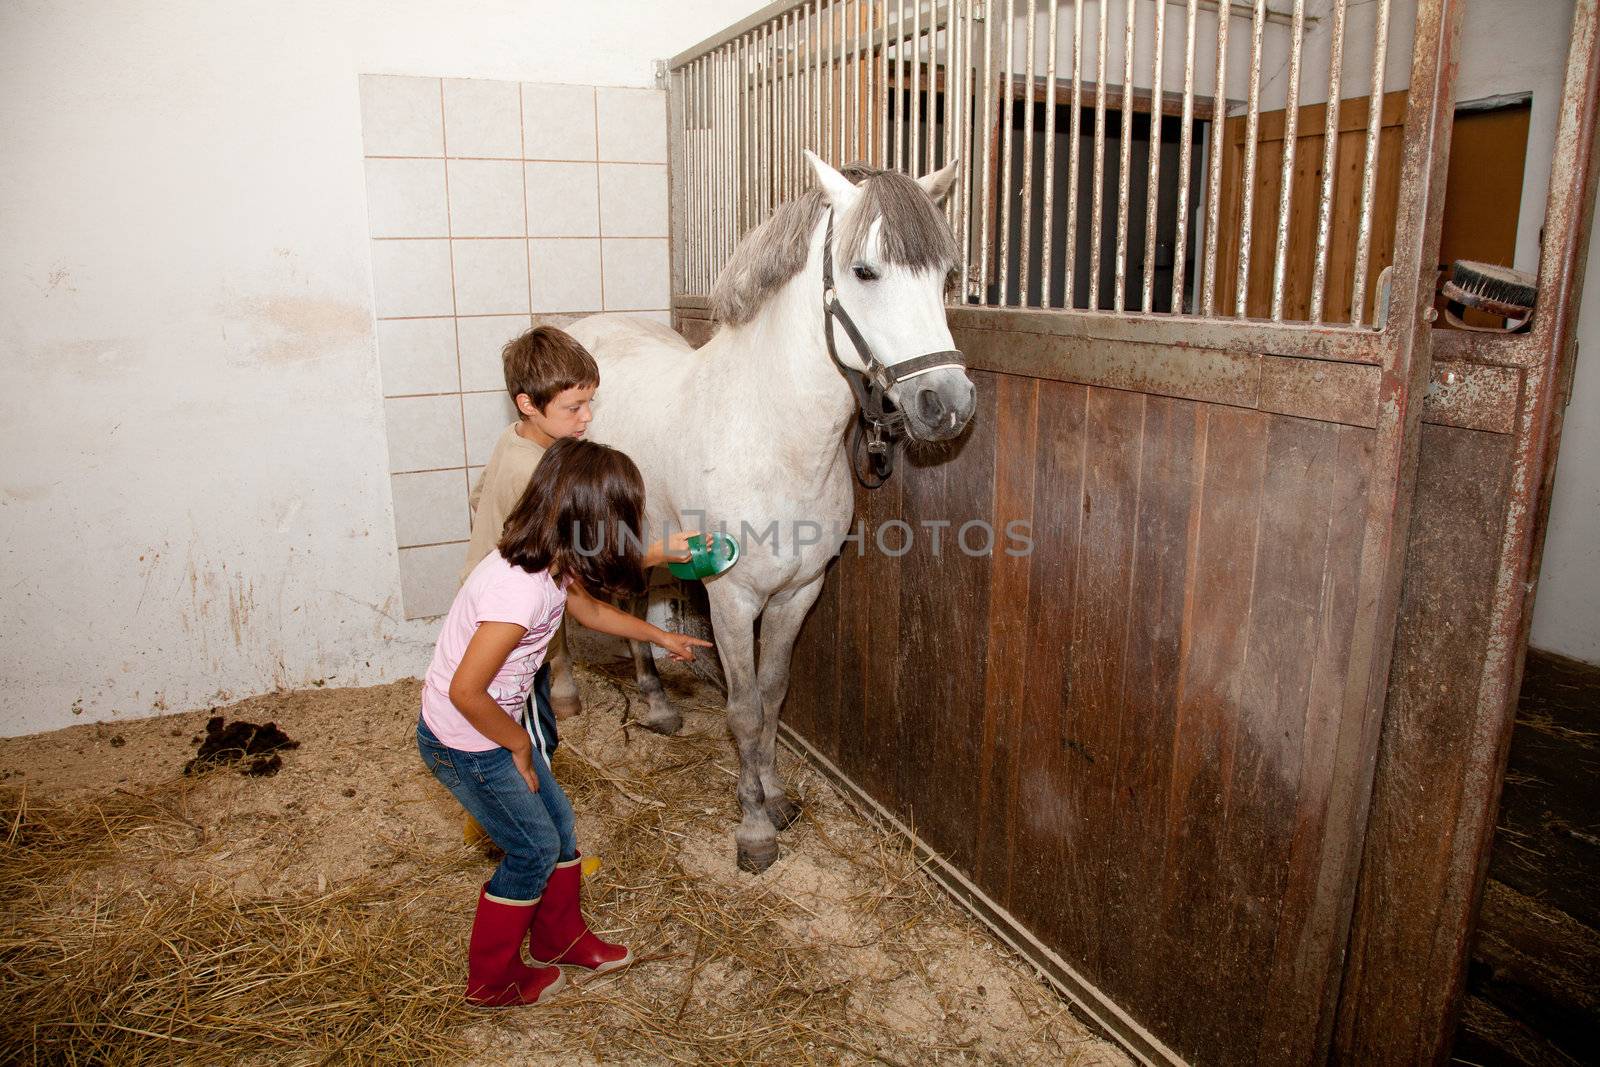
{"x": 580, "y": 518}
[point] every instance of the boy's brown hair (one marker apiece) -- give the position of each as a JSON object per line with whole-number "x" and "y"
{"x": 543, "y": 362}
{"x": 580, "y": 518}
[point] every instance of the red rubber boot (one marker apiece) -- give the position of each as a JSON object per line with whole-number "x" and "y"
{"x": 496, "y": 975}
{"x": 560, "y": 936}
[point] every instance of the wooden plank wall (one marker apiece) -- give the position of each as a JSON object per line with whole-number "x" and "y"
{"x": 1303, "y": 208}
{"x": 1123, "y": 738}
{"x": 1406, "y": 931}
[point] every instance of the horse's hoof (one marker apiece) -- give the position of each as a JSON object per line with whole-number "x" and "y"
{"x": 663, "y": 724}
{"x": 757, "y": 858}
{"x": 566, "y": 707}
{"x": 783, "y": 811}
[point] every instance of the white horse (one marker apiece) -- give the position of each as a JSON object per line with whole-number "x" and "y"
{"x": 749, "y": 430}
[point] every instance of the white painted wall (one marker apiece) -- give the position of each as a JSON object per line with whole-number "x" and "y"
{"x": 194, "y": 492}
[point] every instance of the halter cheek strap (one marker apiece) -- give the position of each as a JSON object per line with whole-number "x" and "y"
{"x": 878, "y": 421}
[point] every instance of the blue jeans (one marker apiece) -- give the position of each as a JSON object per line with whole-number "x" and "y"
{"x": 534, "y": 829}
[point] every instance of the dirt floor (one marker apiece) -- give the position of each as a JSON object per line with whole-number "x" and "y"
{"x": 321, "y": 913}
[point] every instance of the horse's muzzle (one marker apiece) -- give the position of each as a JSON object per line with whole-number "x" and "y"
{"x": 937, "y": 405}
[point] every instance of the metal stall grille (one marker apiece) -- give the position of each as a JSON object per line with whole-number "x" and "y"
{"x": 1175, "y": 158}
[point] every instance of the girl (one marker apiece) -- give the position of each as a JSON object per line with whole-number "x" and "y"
{"x": 582, "y": 495}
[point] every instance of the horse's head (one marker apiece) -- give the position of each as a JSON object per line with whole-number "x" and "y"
{"x": 891, "y": 252}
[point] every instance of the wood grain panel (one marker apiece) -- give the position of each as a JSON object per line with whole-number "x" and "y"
{"x": 1149, "y": 688}
{"x": 1006, "y": 682}
{"x": 1037, "y": 812}
{"x": 1291, "y": 554}
{"x": 1451, "y": 558}
{"x": 944, "y": 598}
{"x": 1113, "y": 438}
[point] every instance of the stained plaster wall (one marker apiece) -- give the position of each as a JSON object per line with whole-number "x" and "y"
{"x": 194, "y": 484}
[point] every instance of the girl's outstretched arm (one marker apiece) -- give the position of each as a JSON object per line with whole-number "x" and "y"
{"x": 600, "y": 616}
{"x": 469, "y": 691}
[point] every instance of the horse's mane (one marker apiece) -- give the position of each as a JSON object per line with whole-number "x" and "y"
{"x": 914, "y": 235}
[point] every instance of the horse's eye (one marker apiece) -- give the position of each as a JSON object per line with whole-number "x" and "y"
{"x": 864, "y": 272}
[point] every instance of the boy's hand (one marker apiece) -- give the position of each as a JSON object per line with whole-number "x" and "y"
{"x": 674, "y": 549}
{"x": 681, "y": 646}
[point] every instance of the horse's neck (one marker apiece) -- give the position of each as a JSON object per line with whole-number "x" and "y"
{"x": 779, "y": 367}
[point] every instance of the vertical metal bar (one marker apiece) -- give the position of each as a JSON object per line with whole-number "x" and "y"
{"x": 1152, "y": 194}
{"x": 916, "y": 87}
{"x": 738, "y": 158}
{"x": 719, "y": 160}
{"x": 770, "y": 156}
{"x": 713, "y": 163}
{"x": 1125, "y": 155}
{"x": 1070, "y": 253}
{"x": 696, "y": 151}
{"x": 964, "y": 207}
{"x": 813, "y": 130}
{"x": 1046, "y": 251}
{"x": 852, "y": 29}
{"x": 930, "y": 162}
{"x": 792, "y": 64}
{"x": 944, "y": 99}
{"x": 698, "y": 187}
{"x": 758, "y": 126}
{"x": 900, "y": 85}
{"x": 1291, "y": 131}
{"x": 828, "y": 43}
{"x": 707, "y": 155}
{"x": 1180, "y": 245}
{"x": 1097, "y": 194}
{"x": 819, "y": 142}
{"x": 953, "y": 102}
{"x": 1026, "y": 250}
{"x": 1330, "y": 159}
{"x": 839, "y": 73}
{"x": 748, "y": 150}
{"x": 1007, "y": 105}
{"x": 871, "y": 140}
{"x": 1252, "y": 131}
{"x": 986, "y": 199}
{"x": 780, "y": 112}
{"x": 1369, "y": 174}
{"x": 1216, "y": 145}
{"x": 852, "y": 84}
{"x": 882, "y": 105}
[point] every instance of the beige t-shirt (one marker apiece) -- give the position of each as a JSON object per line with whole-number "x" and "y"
{"x": 497, "y": 491}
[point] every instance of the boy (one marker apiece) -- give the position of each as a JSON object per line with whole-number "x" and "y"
{"x": 551, "y": 379}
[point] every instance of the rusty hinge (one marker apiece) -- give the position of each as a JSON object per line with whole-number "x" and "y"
{"x": 661, "y": 73}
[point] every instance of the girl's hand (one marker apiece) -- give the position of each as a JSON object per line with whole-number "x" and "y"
{"x": 681, "y": 646}
{"x": 523, "y": 759}
{"x": 674, "y": 549}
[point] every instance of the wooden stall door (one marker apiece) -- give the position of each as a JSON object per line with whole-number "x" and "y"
{"x": 1141, "y": 743}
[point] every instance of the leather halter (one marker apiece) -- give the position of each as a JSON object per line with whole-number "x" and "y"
{"x": 877, "y": 418}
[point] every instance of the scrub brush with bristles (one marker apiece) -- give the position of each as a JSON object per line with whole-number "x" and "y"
{"x": 1492, "y": 288}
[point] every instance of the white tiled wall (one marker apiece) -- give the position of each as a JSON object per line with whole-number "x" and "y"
{"x": 493, "y": 206}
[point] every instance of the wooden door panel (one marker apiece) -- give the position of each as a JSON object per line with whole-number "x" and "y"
{"x": 1123, "y": 738}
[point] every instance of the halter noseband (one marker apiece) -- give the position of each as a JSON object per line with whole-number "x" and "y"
{"x": 877, "y": 420}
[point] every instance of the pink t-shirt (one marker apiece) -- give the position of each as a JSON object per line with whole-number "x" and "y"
{"x": 495, "y": 591}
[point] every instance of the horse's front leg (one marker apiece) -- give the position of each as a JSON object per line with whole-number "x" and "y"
{"x": 733, "y": 614}
{"x": 564, "y": 699}
{"x": 780, "y": 625}
{"x": 661, "y": 717}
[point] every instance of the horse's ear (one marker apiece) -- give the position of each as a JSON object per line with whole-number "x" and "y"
{"x": 938, "y": 184}
{"x": 839, "y": 190}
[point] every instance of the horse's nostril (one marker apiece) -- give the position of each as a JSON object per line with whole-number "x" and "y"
{"x": 931, "y": 404}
